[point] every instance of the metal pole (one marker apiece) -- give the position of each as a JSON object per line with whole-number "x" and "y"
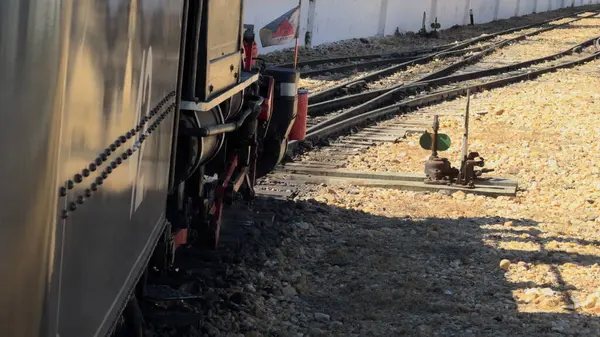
{"x": 296, "y": 54}
{"x": 465, "y": 141}
{"x": 297, "y": 34}
{"x": 436, "y": 126}
{"x": 310, "y": 23}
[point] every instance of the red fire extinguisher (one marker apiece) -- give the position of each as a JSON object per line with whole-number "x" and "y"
{"x": 250, "y": 48}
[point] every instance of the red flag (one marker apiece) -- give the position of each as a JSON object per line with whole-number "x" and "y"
{"x": 282, "y": 30}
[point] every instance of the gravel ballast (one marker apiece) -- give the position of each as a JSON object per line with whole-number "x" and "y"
{"x": 356, "y": 261}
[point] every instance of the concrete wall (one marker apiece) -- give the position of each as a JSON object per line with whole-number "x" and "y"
{"x": 334, "y": 20}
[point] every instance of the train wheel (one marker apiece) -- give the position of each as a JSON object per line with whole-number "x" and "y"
{"x": 272, "y": 154}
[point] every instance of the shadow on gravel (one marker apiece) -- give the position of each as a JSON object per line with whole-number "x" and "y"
{"x": 319, "y": 270}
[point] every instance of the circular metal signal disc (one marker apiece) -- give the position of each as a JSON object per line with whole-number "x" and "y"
{"x": 443, "y": 141}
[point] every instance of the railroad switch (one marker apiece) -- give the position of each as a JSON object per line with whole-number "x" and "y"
{"x": 439, "y": 171}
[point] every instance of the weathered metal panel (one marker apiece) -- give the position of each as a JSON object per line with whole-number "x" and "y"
{"x": 31, "y": 88}
{"x": 123, "y": 58}
{"x": 71, "y": 84}
{"x": 220, "y": 47}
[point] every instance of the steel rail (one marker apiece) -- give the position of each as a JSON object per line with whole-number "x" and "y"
{"x": 358, "y": 65}
{"x": 422, "y": 51}
{"x": 386, "y": 61}
{"x": 405, "y": 54}
{"x": 411, "y": 104}
{"x": 331, "y": 92}
{"x": 318, "y": 62}
{"x": 400, "y": 92}
{"x": 371, "y": 99}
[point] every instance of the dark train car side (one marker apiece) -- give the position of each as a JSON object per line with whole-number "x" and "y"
{"x": 126, "y": 125}
{"x": 77, "y": 76}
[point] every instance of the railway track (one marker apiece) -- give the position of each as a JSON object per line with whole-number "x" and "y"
{"x": 219, "y": 291}
{"x": 361, "y": 58}
{"x": 344, "y": 79}
{"x": 211, "y": 294}
{"x": 396, "y": 58}
{"x": 356, "y": 130}
{"x": 329, "y": 112}
{"x": 365, "y": 88}
{"x": 327, "y": 66}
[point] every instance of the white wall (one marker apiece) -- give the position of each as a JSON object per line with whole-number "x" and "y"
{"x": 483, "y": 10}
{"x": 526, "y": 7}
{"x": 448, "y": 11}
{"x": 344, "y": 19}
{"x": 406, "y": 15}
{"x": 336, "y": 20}
{"x": 507, "y": 8}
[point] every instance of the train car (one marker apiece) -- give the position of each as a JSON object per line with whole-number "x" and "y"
{"x": 126, "y": 125}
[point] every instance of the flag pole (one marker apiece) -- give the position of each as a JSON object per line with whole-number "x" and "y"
{"x": 296, "y": 48}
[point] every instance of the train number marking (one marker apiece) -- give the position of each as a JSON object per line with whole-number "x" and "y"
{"x": 142, "y": 108}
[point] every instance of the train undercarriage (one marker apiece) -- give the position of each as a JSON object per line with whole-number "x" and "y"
{"x": 234, "y": 121}
{"x": 233, "y": 126}
{"x": 127, "y": 126}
